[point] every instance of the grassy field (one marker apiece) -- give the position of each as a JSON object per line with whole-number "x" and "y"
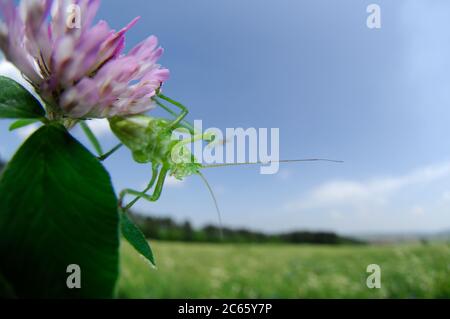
{"x": 284, "y": 271}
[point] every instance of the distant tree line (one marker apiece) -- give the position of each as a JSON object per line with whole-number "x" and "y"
{"x": 166, "y": 229}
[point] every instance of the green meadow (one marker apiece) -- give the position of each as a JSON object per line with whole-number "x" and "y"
{"x": 285, "y": 271}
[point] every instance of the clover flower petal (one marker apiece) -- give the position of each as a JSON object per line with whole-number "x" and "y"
{"x": 80, "y": 72}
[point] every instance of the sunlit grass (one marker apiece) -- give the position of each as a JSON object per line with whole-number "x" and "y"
{"x": 285, "y": 271}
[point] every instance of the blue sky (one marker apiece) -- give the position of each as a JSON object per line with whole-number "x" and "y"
{"x": 378, "y": 99}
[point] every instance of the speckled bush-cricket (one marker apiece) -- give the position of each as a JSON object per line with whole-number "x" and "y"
{"x": 151, "y": 141}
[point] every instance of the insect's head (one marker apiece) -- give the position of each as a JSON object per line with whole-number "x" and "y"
{"x": 181, "y": 162}
{"x": 182, "y": 170}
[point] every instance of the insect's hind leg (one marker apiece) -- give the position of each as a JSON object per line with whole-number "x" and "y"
{"x": 156, "y": 192}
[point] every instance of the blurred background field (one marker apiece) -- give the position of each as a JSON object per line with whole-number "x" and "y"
{"x": 193, "y": 270}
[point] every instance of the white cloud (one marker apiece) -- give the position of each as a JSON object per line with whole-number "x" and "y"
{"x": 418, "y": 211}
{"x": 173, "y": 182}
{"x": 336, "y": 215}
{"x": 100, "y": 127}
{"x": 362, "y": 195}
{"x": 9, "y": 70}
{"x": 170, "y": 182}
{"x": 285, "y": 174}
{"x": 446, "y": 196}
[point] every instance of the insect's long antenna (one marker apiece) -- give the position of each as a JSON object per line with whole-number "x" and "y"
{"x": 219, "y": 215}
{"x": 281, "y": 161}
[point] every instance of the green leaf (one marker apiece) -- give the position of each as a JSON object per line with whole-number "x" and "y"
{"x": 57, "y": 208}
{"x": 16, "y": 102}
{"x": 136, "y": 238}
{"x": 21, "y": 123}
{"x": 92, "y": 138}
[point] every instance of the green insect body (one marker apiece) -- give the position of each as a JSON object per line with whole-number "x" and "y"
{"x": 150, "y": 140}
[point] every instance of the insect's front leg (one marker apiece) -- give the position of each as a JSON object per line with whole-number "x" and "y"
{"x": 96, "y": 143}
{"x": 181, "y": 116}
{"x": 109, "y": 153}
